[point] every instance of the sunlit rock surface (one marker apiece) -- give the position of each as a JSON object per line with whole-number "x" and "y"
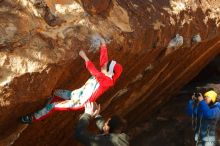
{"x": 39, "y": 53}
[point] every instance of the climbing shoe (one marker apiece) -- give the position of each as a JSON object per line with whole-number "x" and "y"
{"x": 27, "y": 119}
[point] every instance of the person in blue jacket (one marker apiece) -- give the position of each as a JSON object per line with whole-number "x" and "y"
{"x": 205, "y": 112}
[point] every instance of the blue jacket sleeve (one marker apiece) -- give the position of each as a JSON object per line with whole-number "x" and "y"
{"x": 189, "y": 108}
{"x": 209, "y": 113}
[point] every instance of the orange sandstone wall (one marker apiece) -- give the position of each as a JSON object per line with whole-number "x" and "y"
{"x": 39, "y": 46}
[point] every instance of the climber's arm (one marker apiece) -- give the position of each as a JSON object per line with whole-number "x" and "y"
{"x": 92, "y": 69}
{"x": 83, "y": 55}
{"x": 103, "y": 54}
{"x": 89, "y": 65}
{"x": 189, "y": 108}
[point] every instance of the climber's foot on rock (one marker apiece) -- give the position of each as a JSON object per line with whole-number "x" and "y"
{"x": 27, "y": 119}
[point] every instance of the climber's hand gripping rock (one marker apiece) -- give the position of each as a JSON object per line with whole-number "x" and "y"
{"x": 83, "y": 55}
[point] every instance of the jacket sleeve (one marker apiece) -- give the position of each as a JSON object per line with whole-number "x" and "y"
{"x": 92, "y": 69}
{"x": 81, "y": 133}
{"x": 99, "y": 122}
{"x": 189, "y": 108}
{"x": 103, "y": 55}
{"x": 209, "y": 113}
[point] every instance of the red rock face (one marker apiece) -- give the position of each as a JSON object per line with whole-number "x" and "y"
{"x": 37, "y": 58}
{"x": 96, "y": 6}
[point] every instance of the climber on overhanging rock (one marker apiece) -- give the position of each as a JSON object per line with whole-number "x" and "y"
{"x": 205, "y": 112}
{"x": 96, "y": 85}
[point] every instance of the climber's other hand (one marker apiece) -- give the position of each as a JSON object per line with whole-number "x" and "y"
{"x": 83, "y": 55}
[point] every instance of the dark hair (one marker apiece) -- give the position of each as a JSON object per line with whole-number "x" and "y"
{"x": 108, "y": 65}
{"x": 212, "y": 103}
{"x": 203, "y": 90}
{"x": 117, "y": 124}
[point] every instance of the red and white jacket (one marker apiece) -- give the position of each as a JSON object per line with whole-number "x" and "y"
{"x": 105, "y": 82}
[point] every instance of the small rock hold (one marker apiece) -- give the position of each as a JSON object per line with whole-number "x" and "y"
{"x": 149, "y": 67}
{"x": 10, "y": 30}
{"x": 176, "y": 42}
{"x": 196, "y": 38}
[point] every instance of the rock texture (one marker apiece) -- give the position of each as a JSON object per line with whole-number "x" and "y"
{"x": 170, "y": 126}
{"x": 37, "y": 56}
{"x": 96, "y": 6}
